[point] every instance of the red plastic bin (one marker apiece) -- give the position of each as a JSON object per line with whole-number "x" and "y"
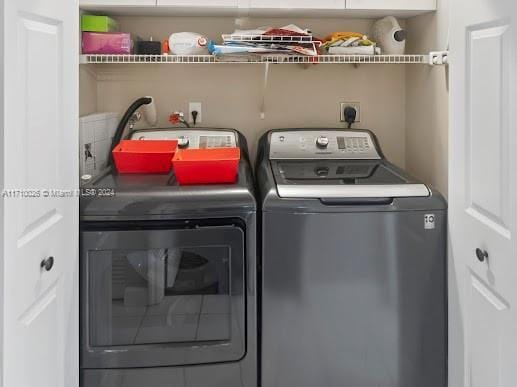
{"x": 144, "y": 156}
{"x": 206, "y": 166}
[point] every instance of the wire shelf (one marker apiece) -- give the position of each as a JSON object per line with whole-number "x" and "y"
{"x": 251, "y": 59}
{"x": 147, "y": 59}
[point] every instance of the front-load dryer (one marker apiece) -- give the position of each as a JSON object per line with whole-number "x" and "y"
{"x": 353, "y": 267}
{"x": 168, "y": 282}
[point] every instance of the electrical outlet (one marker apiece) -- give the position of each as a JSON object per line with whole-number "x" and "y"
{"x": 195, "y": 106}
{"x": 355, "y": 105}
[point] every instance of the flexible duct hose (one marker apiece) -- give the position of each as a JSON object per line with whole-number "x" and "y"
{"x": 124, "y": 121}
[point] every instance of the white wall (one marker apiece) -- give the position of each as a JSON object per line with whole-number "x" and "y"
{"x": 427, "y": 100}
{"x": 231, "y": 94}
{"x": 427, "y": 134}
{"x": 2, "y": 121}
{"x": 87, "y": 90}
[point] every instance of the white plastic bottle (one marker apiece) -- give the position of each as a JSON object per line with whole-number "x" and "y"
{"x": 389, "y": 36}
{"x": 187, "y": 43}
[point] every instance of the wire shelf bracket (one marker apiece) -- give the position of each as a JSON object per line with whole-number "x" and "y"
{"x": 438, "y": 58}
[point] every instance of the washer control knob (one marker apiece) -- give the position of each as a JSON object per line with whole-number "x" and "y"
{"x": 322, "y": 142}
{"x": 183, "y": 142}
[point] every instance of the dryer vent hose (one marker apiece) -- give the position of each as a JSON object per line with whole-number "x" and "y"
{"x": 124, "y": 121}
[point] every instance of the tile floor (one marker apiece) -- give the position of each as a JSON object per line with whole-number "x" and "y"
{"x": 175, "y": 319}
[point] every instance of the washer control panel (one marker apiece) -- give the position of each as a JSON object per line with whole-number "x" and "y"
{"x": 322, "y": 144}
{"x": 191, "y": 139}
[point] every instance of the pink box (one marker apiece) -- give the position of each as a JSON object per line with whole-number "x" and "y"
{"x": 106, "y": 43}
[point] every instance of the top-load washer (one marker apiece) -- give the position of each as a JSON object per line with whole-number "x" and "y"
{"x": 168, "y": 292}
{"x": 353, "y": 266}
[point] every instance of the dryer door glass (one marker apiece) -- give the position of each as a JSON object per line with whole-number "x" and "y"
{"x": 182, "y": 289}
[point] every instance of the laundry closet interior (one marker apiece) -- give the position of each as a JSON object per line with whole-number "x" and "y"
{"x": 405, "y": 105}
{"x": 196, "y": 279}
{"x": 348, "y": 218}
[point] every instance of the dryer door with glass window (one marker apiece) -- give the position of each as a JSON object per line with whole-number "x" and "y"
{"x": 160, "y": 295}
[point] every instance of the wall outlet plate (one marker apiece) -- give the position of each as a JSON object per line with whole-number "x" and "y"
{"x": 355, "y": 105}
{"x": 195, "y": 106}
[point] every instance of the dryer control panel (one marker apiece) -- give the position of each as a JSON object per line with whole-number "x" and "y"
{"x": 322, "y": 144}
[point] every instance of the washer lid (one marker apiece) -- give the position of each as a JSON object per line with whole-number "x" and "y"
{"x": 343, "y": 179}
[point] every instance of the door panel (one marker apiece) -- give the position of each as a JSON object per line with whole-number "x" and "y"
{"x": 36, "y": 218}
{"x": 36, "y": 345}
{"x": 37, "y": 281}
{"x": 486, "y": 311}
{"x": 40, "y": 204}
{"x": 392, "y": 4}
{"x": 483, "y": 186}
{"x": 200, "y": 3}
{"x": 41, "y": 123}
{"x": 488, "y": 193}
{"x": 297, "y": 4}
{"x": 124, "y": 3}
{"x": 39, "y": 218}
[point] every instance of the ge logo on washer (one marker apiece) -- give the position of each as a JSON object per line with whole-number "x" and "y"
{"x": 429, "y": 221}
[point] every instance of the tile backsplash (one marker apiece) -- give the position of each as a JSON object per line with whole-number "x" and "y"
{"x": 96, "y": 132}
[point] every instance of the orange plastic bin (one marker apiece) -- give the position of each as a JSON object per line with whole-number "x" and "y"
{"x": 206, "y": 166}
{"x": 144, "y": 156}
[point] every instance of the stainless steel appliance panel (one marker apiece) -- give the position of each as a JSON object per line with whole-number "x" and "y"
{"x": 354, "y": 299}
